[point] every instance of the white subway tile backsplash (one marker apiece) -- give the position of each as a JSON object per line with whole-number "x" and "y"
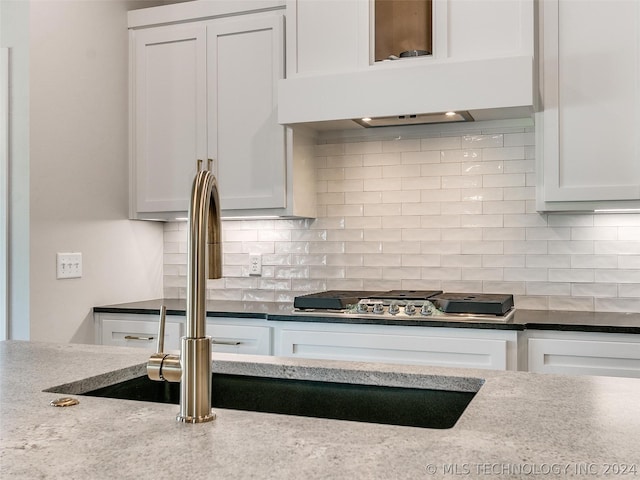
{"x": 519, "y": 139}
{"x": 551, "y": 289}
{"x": 441, "y": 143}
{"x": 463, "y": 181}
{"x": 483, "y": 141}
{"x": 585, "y": 275}
{"x": 601, "y": 290}
{"x": 354, "y": 173}
{"x": 572, "y": 247}
{"x": 504, "y": 180}
{"x": 380, "y": 159}
{"x": 362, "y": 198}
{"x": 482, "y": 168}
{"x": 343, "y": 161}
{"x": 506, "y": 153}
{"x": 513, "y": 261}
{"x": 406, "y": 145}
{"x": 571, "y": 303}
{"x": 454, "y": 210}
{"x": 430, "y": 156}
{"x": 617, "y": 305}
{"x": 362, "y": 148}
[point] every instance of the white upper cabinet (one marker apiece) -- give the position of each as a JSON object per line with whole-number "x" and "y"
{"x": 339, "y": 67}
{"x": 206, "y": 87}
{"x": 168, "y": 115}
{"x": 588, "y": 134}
{"x": 245, "y": 62}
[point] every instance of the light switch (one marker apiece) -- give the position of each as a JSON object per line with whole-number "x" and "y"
{"x": 69, "y": 265}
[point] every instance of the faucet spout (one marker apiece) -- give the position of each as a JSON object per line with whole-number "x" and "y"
{"x": 204, "y": 254}
{"x": 193, "y": 367}
{"x": 204, "y": 242}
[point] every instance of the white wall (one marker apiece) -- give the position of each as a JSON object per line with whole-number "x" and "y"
{"x": 78, "y": 170}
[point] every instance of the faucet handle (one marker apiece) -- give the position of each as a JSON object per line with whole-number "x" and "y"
{"x": 163, "y": 320}
{"x": 163, "y": 366}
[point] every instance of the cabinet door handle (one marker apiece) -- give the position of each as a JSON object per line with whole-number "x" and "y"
{"x": 226, "y": 342}
{"x": 135, "y": 337}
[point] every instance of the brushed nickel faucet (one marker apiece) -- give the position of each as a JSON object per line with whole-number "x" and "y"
{"x": 192, "y": 368}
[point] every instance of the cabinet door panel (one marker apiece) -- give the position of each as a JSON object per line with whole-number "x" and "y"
{"x": 239, "y": 338}
{"x": 170, "y": 114}
{"x": 439, "y": 351}
{"x": 591, "y": 100}
{"x": 581, "y": 357}
{"x": 139, "y": 333}
{"x": 245, "y": 62}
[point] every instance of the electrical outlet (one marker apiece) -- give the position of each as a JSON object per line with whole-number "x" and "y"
{"x": 255, "y": 265}
{"x": 69, "y": 265}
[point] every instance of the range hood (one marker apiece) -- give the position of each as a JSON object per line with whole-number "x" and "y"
{"x": 415, "y": 119}
{"x": 488, "y": 89}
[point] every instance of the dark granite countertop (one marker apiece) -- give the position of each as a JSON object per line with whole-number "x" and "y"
{"x": 524, "y": 319}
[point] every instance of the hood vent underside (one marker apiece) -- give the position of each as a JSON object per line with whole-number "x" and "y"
{"x": 417, "y": 119}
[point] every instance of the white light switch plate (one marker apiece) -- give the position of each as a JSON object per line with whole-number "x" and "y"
{"x": 69, "y": 265}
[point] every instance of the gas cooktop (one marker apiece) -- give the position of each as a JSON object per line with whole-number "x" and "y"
{"x": 408, "y": 304}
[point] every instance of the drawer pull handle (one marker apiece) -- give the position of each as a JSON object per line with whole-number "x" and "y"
{"x": 134, "y": 337}
{"x": 226, "y": 342}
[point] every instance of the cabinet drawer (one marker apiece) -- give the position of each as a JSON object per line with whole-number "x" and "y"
{"x": 423, "y": 350}
{"x": 584, "y": 357}
{"x": 139, "y": 333}
{"x": 239, "y": 338}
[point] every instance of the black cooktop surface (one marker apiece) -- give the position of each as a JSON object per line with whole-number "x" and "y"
{"x": 474, "y": 303}
{"x": 339, "y": 299}
{"x": 477, "y": 303}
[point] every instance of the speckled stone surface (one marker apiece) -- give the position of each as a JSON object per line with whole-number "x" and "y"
{"x": 518, "y": 424}
{"x": 523, "y": 319}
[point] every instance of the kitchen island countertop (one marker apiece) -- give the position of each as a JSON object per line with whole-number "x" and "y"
{"x": 518, "y": 424}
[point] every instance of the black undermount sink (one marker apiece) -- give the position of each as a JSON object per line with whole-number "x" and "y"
{"x": 343, "y": 401}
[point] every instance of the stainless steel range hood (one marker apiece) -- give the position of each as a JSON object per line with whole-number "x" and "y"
{"x": 415, "y": 119}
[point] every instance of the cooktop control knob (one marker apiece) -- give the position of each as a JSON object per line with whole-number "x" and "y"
{"x": 410, "y": 309}
{"x": 362, "y": 308}
{"x": 425, "y": 310}
{"x": 394, "y": 308}
{"x": 378, "y": 308}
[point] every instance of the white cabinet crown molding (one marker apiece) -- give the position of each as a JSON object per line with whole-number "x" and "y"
{"x": 198, "y": 10}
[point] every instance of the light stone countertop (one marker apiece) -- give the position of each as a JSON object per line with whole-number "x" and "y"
{"x": 522, "y": 424}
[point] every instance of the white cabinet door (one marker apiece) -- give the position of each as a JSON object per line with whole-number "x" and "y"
{"x": 140, "y": 331}
{"x": 233, "y": 338}
{"x": 583, "y": 353}
{"x": 168, "y": 115}
{"x": 245, "y": 60}
{"x": 448, "y": 347}
{"x": 589, "y": 140}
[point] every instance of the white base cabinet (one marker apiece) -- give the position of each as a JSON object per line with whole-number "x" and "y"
{"x": 584, "y": 353}
{"x": 230, "y": 335}
{"x": 140, "y": 331}
{"x": 446, "y": 347}
{"x": 539, "y": 351}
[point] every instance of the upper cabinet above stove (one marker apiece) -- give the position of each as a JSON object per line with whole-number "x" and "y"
{"x": 588, "y": 134}
{"x": 339, "y": 66}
